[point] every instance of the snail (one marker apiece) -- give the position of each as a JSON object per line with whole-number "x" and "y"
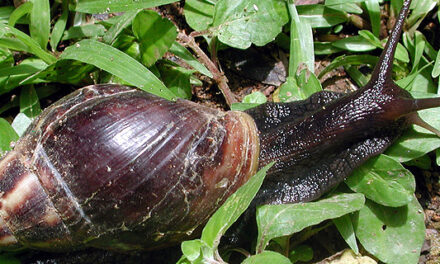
{"x": 113, "y": 167}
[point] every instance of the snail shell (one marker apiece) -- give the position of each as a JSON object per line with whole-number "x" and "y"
{"x": 113, "y": 167}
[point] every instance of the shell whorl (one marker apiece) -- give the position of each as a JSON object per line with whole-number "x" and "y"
{"x": 122, "y": 169}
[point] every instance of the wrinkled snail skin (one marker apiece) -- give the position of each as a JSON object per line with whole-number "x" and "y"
{"x": 112, "y": 167}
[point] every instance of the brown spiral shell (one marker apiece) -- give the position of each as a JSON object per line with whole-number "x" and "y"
{"x": 113, "y": 167}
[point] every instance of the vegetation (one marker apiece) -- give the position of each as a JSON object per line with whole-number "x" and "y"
{"x": 47, "y": 46}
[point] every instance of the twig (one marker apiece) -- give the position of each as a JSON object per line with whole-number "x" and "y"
{"x": 218, "y": 76}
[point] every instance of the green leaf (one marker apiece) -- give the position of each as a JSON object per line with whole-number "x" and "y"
{"x": 373, "y": 9}
{"x": 31, "y": 44}
{"x": 243, "y": 106}
{"x": 177, "y": 80}
{"x": 7, "y": 135}
{"x": 84, "y": 31}
{"x": 301, "y": 253}
{"x": 383, "y": 180}
{"x": 239, "y": 23}
{"x": 255, "y": 98}
{"x": 199, "y": 14}
{"x": 109, "y": 6}
{"x": 419, "y": 48}
{"x": 117, "y": 63}
{"x": 191, "y": 249}
{"x": 285, "y": 219}
{"x": 123, "y": 22}
{"x": 23, "y": 10}
{"x": 394, "y": 235}
{"x": 59, "y": 27}
{"x": 354, "y": 43}
{"x": 234, "y": 206}
{"x": 184, "y": 54}
{"x": 349, "y": 60}
{"x": 39, "y": 26}
{"x": 301, "y": 43}
{"x": 267, "y": 257}
{"x": 29, "y": 102}
{"x": 27, "y": 67}
{"x": 318, "y": 16}
{"x": 5, "y": 13}
{"x": 325, "y": 48}
{"x": 155, "y": 34}
{"x": 345, "y": 228}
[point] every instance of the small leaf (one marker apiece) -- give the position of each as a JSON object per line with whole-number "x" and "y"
{"x": 394, "y": 235}
{"x": 267, "y": 257}
{"x": 285, "y": 219}
{"x": 255, "y": 98}
{"x": 23, "y": 10}
{"x": 234, "y": 206}
{"x": 123, "y": 22}
{"x": 354, "y": 43}
{"x": 7, "y": 136}
{"x": 191, "y": 249}
{"x": 242, "y": 106}
{"x": 177, "y": 80}
{"x": 109, "y": 6}
{"x": 345, "y": 228}
{"x": 117, "y": 63}
{"x": 436, "y": 69}
{"x": 239, "y": 23}
{"x": 29, "y": 102}
{"x": 373, "y": 9}
{"x": 199, "y": 14}
{"x": 155, "y": 34}
{"x": 318, "y": 16}
{"x": 60, "y": 26}
{"x": 84, "y": 31}
{"x": 39, "y": 26}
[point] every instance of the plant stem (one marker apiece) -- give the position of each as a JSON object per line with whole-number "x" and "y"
{"x": 218, "y": 76}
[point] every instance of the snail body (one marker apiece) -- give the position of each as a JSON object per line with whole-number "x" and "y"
{"x": 113, "y": 167}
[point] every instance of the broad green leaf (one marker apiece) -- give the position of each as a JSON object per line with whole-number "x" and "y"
{"x": 65, "y": 71}
{"x": 255, "y": 98}
{"x": 199, "y": 14}
{"x": 14, "y": 44}
{"x": 318, "y": 16}
{"x": 23, "y": 10}
{"x": 234, "y": 206}
{"x": 117, "y": 63}
{"x": 267, "y": 257}
{"x": 383, "y": 180}
{"x": 239, "y": 23}
{"x": 109, "y": 6}
{"x": 155, "y": 34}
{"x": 39, "y": 26}
{"x": 29, "y": 102}
{"x": 354, "y": 43}
{"x": 123, "y": 22}
{"x": 351, "y": 8}
{"x": 31, "y": 44}
{"x": 28, "y": 66}
{"x": 21, "y": 123}
{"x": 289, "y": 91}
{"x": 394, "y": 235}
{"x": 59, "y": 27}
{"x": 301, "y": 42}
{"x": 371, "y": 38}
{"x": 184, "y": 54}
{"x": 373, "y": 9}
{"x": 345, "y": 228}
{"x": 84, "y": 31}
{"x": 325, "y": 48}
{"x": 7, "y": 136}
{"x": 285, "y": 219}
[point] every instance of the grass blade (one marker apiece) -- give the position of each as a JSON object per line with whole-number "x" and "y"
{"x": 40, "y": 22}
{"x": 108, "y": 6}
{"x": 117, "y": 63}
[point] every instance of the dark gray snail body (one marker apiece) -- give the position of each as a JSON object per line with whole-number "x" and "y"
{"x": 116, "y": 168}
